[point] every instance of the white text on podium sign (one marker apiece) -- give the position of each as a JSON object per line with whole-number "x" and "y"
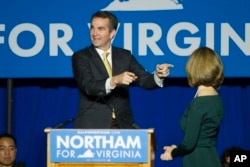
{"x": 99, "y": 146}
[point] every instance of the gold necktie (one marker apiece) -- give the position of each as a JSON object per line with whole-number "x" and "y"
{"x": 106, "y": 63}
{"x": 109, "y": 70}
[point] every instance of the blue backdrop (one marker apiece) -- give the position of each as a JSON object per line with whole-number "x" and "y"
{"x": 37, "y": 39}
{"x": 41, "y": 103}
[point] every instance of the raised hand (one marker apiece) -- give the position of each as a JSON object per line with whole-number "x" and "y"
{"x": 163, "y": 70}
{"x": 125, "y": 78}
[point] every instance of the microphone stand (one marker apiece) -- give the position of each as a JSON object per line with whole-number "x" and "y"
{"x": 64, "y": 123}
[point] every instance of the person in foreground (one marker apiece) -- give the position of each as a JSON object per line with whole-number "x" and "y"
{"x": 201, "y": 120}
{"x": 103, "y": 74}
{"x": 225, "y": 158}
{"x": 8, "y": 151}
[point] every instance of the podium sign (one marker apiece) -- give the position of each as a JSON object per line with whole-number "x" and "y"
{"x": 88, "y": 146}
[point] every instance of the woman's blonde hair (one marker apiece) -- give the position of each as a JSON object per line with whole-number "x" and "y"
{"x": 204, "y": 67}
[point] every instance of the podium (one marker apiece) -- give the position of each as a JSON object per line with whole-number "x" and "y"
{"x": 149, "y": 146}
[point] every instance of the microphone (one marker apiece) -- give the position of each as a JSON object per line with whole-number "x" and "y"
{"x": 62, "y": 124}
{"x": 135, "y": 126}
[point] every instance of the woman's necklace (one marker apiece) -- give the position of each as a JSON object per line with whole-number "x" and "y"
{"x": 196, "y": 93}
{"x": 208, "y": 90}
{"x": 198, "y": 90}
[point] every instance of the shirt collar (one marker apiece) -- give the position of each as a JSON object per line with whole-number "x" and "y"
{"x": 100, "y": 52}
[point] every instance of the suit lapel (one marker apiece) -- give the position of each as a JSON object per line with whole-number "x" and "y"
{"x": 94, "y": 56}
{"x": 115, "y": 61}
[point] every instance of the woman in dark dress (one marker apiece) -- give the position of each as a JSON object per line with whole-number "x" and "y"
{"x": 201, "y": 120}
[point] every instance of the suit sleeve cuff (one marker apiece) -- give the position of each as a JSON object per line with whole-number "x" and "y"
{"x": 158, "y": 80}
{"x": 108, "y": 87}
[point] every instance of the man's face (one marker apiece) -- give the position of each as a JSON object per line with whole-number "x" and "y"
{"x": 7, "y": 151}
{"x": 100, "y": 33}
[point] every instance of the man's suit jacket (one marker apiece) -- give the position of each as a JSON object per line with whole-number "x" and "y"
{"x": 96, "y": 105}
{"x": 19, "y": 164}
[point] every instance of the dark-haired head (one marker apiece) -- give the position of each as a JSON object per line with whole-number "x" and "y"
{"x": 113, "y": 21}
{"x": 7, "y": 149}
{"x": 7, "y": 135}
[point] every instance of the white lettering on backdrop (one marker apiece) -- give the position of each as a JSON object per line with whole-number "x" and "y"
{"x": 145, "y": 42}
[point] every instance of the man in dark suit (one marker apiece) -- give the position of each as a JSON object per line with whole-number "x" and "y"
{"x": 104, "y": 92}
